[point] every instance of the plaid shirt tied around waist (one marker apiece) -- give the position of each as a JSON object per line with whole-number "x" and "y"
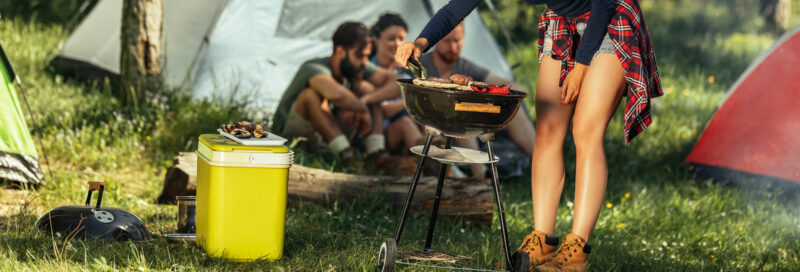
{"x": 633, "y": 47}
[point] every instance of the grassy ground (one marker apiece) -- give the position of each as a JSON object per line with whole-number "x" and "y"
{"x": 657, "y": 217}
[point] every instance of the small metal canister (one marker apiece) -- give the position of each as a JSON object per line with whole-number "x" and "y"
{"x": 186, "y": 214}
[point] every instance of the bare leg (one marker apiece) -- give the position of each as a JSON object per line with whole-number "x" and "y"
{"x": 309, "y": 105}
{"x": 599, "y": 97}
{"x": 376, "y": 113}
{"x": 547, "y": 167}
{"x": 362, "y": 88}
{"x": 520, "y": 129}
{"x": 403, "y": 133}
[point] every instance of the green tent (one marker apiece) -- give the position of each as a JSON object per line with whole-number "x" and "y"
{"x": 19, "y": 161}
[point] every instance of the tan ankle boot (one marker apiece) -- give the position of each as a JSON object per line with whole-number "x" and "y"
{"x": 572, "y": 256}
{"x": 536, "y": 249}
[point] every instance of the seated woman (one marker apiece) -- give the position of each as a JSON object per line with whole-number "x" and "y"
{"x": 401, "y": 132}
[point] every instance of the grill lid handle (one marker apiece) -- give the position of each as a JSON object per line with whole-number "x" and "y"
{"x": 95, "y": 186}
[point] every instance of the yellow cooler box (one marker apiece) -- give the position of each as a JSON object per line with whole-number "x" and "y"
{"x": 241, "y": 198}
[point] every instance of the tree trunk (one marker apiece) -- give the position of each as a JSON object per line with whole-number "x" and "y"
{"x": 140, "y": 45}
{"x": 777, "y": 13}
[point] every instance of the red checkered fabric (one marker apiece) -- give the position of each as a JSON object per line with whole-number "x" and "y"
{"x": 634, "y": 49}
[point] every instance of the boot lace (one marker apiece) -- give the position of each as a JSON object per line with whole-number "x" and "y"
{"x": 531, "y": 242}
{"x": 566, "y": 250}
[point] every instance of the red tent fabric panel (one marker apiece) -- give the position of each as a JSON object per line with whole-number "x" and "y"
{"x": 757, "y": 128}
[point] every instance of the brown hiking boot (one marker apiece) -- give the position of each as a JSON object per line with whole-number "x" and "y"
{"x": 572, "y": 256}
{"x": 536, "y": 249}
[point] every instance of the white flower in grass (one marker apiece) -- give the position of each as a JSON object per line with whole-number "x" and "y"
{"x": 462, "y": 231}
{"x": 664, "y": 243}
{"x": 722, "y": 214}
{"x": 570, "y": 204}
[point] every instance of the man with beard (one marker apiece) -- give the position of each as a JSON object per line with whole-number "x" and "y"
{"x": 445, "y": 60}
{"x": 327, "y": 103}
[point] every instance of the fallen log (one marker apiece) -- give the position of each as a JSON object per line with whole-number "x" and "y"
{"x": 468, "y": 198}
{"x": 180, "y": 179}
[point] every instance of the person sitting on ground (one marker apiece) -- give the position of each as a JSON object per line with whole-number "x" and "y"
{"x": 325, "y": 99}
{"x": 444, "y": 60}
{"x": 401, "y": 132}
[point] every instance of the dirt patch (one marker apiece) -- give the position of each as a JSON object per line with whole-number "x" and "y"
{"x": 12, "y": 200}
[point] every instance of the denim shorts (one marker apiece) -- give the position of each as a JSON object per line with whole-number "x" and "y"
{"x": 605, "y": 47}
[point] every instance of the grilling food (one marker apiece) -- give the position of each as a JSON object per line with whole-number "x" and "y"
{"x": 460, "y": 79}
{"x": 462, "y": 83}
{"x": 245, "y": 130}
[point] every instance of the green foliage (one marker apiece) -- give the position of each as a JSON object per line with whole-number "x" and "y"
{"x": 658, "y": 217}
{"x": 45, "y": 11}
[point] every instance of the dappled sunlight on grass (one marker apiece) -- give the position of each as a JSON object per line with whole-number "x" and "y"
{"x": 656, "y": 215}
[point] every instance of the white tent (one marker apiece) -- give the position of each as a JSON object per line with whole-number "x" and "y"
{"x": 252, "y": 48}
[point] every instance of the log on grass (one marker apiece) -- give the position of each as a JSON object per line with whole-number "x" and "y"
{"x": 181, "y": 178}
{"x": 470, "y": 198}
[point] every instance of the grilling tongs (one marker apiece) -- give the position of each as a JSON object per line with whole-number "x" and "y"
{"x": 417, "y": 68}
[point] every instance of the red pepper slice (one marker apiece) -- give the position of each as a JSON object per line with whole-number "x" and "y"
{"x": 491, "y": 89}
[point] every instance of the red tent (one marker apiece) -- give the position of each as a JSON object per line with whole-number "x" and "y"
{"x": 756, "y": 131}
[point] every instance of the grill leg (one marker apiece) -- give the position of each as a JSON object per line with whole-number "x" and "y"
{"x": 500, "y": 210}
{"x": 440, "y": 184}
{"x": 413, "y": 188}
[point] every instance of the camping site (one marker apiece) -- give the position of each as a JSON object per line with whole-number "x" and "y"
{"x": 712, "y": 184}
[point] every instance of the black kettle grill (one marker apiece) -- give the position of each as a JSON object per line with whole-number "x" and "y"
{"x": 110, "y": 224}
{"x": 453, "y": 114}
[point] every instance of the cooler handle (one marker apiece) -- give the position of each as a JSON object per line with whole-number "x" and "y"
{"x": 261, "y": 158}
{"x": 95, "y": 186}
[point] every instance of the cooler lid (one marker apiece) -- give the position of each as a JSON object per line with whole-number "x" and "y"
{"x": 218, "y": 142}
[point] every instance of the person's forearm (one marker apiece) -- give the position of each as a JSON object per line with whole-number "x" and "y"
{"x": 595, "y": 31}
{"x": 446, "y": 19}
{"x": 385, "y": 92}
{"x": 349, "y": 101}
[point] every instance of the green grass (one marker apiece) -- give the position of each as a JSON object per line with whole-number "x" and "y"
{"x": 659, "y": 217}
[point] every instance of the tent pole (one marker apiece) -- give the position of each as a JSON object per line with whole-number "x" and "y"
{"x": 511, "y": 44}
{"x": 35, "y": 127}
{"x": 188, "y": 80}
{"x": 428, "y": 7}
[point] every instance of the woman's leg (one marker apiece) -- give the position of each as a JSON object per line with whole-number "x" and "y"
{"x": 599, "y": 97}
{"x": 547, "y": 166}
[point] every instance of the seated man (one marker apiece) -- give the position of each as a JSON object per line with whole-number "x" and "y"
{"x": 445, "y": 60}
{"x": 325, "y": 99}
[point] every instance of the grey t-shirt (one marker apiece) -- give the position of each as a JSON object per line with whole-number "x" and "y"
{"x": 462, "y": 66}
{"x": 306, "y": 71}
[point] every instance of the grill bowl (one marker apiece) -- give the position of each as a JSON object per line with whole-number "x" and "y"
{"x": 456, "y": 113}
